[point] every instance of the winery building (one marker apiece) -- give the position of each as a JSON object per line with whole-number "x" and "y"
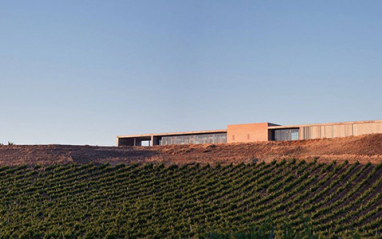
{"x": 244, "y": 133}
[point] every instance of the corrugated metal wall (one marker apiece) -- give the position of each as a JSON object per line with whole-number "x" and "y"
{"x": 339, "y": 130}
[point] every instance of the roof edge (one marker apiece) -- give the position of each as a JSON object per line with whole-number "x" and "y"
{"x": 174, "y": 133}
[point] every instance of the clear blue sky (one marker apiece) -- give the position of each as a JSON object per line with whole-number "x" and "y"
{"x": 82, "y": 72}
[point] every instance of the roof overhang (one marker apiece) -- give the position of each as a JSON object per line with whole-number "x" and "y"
{"x": 174, "y": 133}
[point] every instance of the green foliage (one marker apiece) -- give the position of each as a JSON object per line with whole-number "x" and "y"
{"x": 286, "y": 199}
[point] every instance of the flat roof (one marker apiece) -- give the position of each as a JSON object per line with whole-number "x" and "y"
{"x": 324, "y": 124}
{"x": 271, "y": 126}
{"x": 174, "y": 133}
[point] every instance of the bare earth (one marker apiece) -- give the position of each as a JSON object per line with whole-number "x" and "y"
{"x": 364, "y": 149}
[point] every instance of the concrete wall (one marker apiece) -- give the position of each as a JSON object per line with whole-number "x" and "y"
{"x": 367, "y": 128}
{"x": 340, "y": 130}
{"x": 247, "y": 133}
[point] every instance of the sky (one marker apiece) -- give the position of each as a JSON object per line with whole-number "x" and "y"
{"x": 83, "y": 72}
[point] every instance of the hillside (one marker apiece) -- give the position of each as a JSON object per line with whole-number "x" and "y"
{"x": 364, "y": 149}
{"x": 153, "y": 201}
{"x": 65, "y": 191}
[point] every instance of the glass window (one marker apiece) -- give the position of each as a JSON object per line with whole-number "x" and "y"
{"x": 285, "y": 134}
{"x": 194, "y": 139}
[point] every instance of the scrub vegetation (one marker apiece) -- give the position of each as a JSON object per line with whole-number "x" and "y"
{"x": 365, "y": 148}
{"x": 157, "y": 201}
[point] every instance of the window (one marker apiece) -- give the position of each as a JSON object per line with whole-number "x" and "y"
{"x": 285, "y": 134}
{"x": 294, "y": 135}
{"x": 194, "y": 139}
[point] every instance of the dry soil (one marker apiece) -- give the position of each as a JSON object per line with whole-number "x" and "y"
{"x": 364, "y": 149}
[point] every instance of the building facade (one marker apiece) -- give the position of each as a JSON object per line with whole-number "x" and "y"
{"x": 255, "y": 132}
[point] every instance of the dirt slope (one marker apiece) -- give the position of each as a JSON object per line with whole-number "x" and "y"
{"x": 361, "y": 148}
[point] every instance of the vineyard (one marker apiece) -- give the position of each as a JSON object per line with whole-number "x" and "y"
{"x": 156, "y": 201}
